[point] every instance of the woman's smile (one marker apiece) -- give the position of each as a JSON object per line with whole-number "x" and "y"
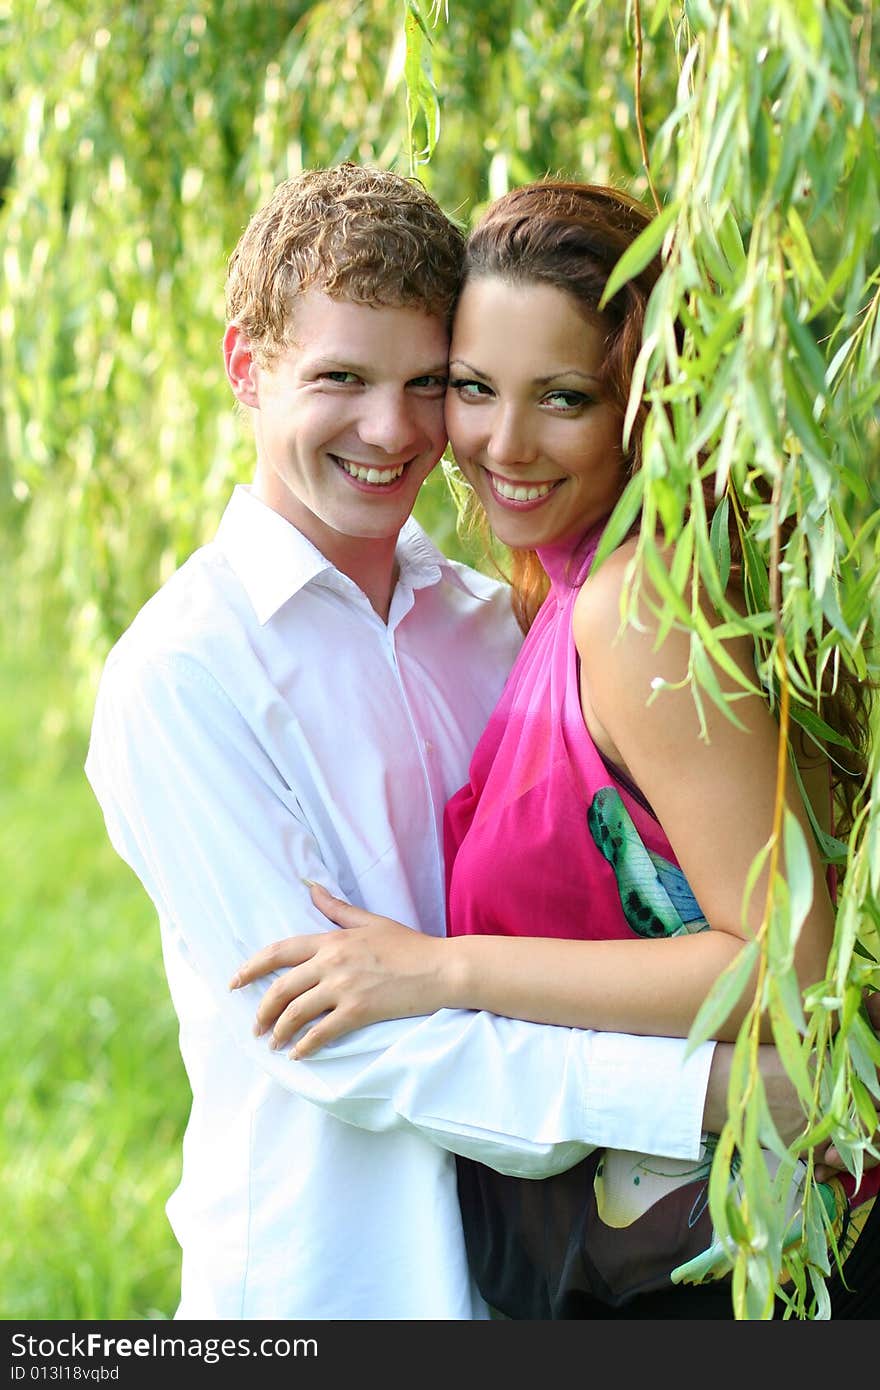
{"x": 518, "y": 493}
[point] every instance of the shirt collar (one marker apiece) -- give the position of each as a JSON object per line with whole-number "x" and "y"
{"x": 422, "y": 562}
{"x": 273, "y": 560}
{"x": 270, "y": 558}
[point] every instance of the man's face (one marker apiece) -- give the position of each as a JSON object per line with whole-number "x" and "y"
{"x": 349, "y": 421}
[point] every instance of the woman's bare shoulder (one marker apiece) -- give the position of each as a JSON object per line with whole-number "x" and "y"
{"x": 597, "y": 611}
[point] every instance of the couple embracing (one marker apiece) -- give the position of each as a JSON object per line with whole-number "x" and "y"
{"x": 498, "y": 881}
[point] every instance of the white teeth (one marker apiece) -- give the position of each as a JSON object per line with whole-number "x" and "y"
{"x": 380, "y": 476}
{"x": 521, "y": 494}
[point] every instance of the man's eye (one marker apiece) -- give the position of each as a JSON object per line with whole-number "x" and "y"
{"x": 343, "y": 378}
{"x": 470, "y": 390}
{"x": 429, "y": 383}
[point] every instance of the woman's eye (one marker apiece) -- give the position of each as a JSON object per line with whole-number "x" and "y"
{"x": 470, "y": 390}
{"x": 566, "y": 400}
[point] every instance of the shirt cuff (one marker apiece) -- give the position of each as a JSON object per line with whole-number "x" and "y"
{"x": 664, "y": 1113}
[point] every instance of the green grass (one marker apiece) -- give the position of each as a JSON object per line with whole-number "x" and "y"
{"x": 94, "y": 1094}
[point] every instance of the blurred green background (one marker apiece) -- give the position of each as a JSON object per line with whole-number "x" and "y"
{"x": 135, "y": 141}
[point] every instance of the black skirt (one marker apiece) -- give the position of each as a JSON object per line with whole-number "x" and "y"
{"x": 539, "y": 1251}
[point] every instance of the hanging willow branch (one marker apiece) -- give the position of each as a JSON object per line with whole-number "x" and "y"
{"x": 640, "y": 119}
{"x": 767, "y": 250}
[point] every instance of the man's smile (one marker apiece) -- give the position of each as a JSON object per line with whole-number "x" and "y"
{"x": 368, "y": 473}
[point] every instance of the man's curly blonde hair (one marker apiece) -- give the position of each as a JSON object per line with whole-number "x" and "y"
{"x": 365, "y": 235}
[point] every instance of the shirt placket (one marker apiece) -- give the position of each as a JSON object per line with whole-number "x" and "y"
{"x": 428, "y": 852}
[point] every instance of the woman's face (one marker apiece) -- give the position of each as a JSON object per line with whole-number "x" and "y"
{"x": 525, "y": 412}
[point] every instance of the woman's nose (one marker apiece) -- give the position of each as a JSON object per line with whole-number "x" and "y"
{"x": 510, "y": 441}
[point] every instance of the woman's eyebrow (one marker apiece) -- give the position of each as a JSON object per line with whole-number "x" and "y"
{"x": 460, "y": 364}
{"x": 565, "y": 371}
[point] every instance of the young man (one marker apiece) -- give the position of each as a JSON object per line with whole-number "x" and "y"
{"x": 298, "y": 702}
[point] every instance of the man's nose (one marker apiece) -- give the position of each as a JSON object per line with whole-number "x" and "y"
{"x": 389, "y": 422}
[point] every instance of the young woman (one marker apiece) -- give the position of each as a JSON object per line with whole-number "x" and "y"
{"x": 597, "y": 859}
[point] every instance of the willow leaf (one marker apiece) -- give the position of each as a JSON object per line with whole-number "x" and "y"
{"x": 807, "y": 348}
{"x": 790, "y": 1046}
{"x": 723, "y": 996}
{"x": 622, "y": 518}
{"x": 719, "y": 536}
{"x": 660, "y": 577}
{"x": 715, "y": 649}
{"x": 719, "y": 1184}
{"x": 798, "y": 873}
{"x": 864, "y": 1104}
{"x": 637, "y": 386}
{"x": 800, "y": 415}
{"x": 642, "y": 250}
{"x": 760, "y": 1287}
{"x": 832, "y": 612}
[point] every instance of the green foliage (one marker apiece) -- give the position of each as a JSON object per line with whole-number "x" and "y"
{"x": 768, "y": 171}
{"x": 137, "y": 139}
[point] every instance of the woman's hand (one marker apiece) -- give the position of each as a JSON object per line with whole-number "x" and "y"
{"x": 376, "y": 970}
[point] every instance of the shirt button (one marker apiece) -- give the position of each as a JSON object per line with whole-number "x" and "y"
{"x": 429, "y": 747}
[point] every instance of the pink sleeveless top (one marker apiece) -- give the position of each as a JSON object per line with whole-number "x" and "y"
{"x": 546, "y": 839}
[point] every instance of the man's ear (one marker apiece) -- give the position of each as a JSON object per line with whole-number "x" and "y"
{"x": 241, "y": 369}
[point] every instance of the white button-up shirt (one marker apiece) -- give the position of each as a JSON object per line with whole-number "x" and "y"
{"x": 259, "y": 724}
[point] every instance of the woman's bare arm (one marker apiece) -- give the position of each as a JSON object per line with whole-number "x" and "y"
{"x": 715, "y": 800}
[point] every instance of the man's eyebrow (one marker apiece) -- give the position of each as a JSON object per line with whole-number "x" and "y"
{"x": 344, "y": 364}
{"x": 441, "y": 369}
{"x": 336, "y": 364}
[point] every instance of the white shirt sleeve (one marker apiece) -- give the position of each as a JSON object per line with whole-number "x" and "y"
{"x": 194, "y": 805}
